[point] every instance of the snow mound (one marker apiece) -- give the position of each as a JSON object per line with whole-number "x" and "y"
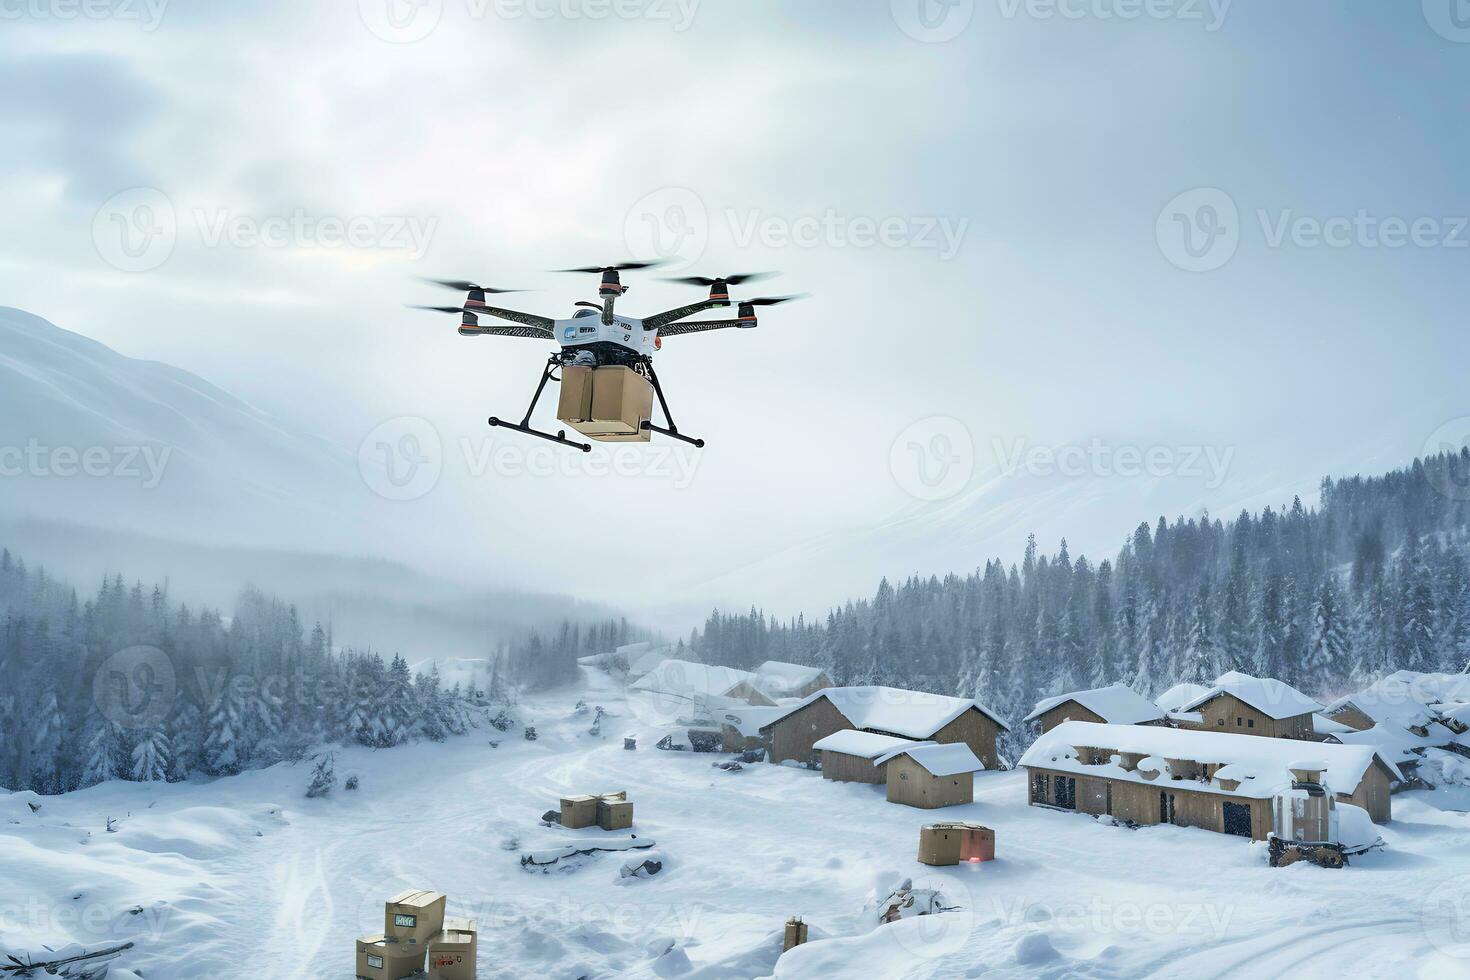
{"x": 20, "y": 808}
{"x": 1035, "y": 949}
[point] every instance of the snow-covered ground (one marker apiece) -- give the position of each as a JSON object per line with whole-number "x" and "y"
{"x": 244, "y": 877}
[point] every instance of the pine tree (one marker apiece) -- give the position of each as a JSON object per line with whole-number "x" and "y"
{"x": 151, "y": 758}
{"x": 225, "y": 753}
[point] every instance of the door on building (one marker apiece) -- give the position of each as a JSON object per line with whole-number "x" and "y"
{"x": 1067, "y": 792}
{"x": 1166, "y": 808}
{"x": 1238, "y": 819}
{"x": 1109, "y": 810}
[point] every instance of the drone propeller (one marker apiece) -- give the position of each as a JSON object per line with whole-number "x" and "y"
{"x": 437, "y": 309}
{"x": 464, "y": 286}
{"x": 727, "y": 280}
{"x": 621, "y": 267}
{"x": 772, "y": 300}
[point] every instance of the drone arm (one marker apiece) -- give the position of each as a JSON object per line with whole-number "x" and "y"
{"x": 660, "y": 320}
{"x": 495, "y": 330}
{"x": 696, "y": 326}
{"x": 515, "y": 316}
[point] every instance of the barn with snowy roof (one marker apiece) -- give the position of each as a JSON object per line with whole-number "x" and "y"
{"x": 1245, "y": 705}
{"x": 1215, "y": 780}
{"x": 1115, "y": 705}
{"x": 912, "y": 715}
{"x": 779, "y": 679}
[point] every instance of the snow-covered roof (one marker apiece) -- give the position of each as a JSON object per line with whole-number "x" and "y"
{"x": 747, "y": 719}
{"x": 1267, "y": 695}
{"x": 1326, "y": 726}
{"x": 1118, "y": 704}
{"x": 1396, "y": 742}
{"x": 1262, "y": 765}
{"x": 1405, "y": 697}
{"x": 912, "y": 714}
{"x": 684, "y": 678}
{"x": 866, "y": 745}
{"x": 949, "y": 759}
{"x": 778, "y": 678}
{"x": 1179, "y": 694}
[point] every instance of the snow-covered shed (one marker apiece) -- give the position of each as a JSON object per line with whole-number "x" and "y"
{"x": 779, "y": 679}
{"x": 740, "y": 724}
{"x": 930, "y": 775}
{"x": 1246, "y": 705}
{"x": 847, "y": 756}
{"x": 1115, "y": 705}
{"x": 914, "y": 715}
{"x": 698, "y": 684}
{"x": 1216, "y": 780}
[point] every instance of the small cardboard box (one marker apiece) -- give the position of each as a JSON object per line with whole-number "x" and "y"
{"x": 575, "y": 402}
{"x": 614, "y": 814}
{"x": 578, "y": 811}
{"x": 410, "y": 918}
{"x": 796, "y": 933}
{"x": 378, "y": 959}
{"x": 452, "y": 952}
{"x": 952, "y": 843}
{"x": 621, "y": 399}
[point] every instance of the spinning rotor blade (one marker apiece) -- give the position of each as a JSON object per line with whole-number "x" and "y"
{"x": 438, "y": 309}
{"x": 728, "y": 280}
{"x": 772, "y": 300}
{"x": 621, "y": 267}
{"x": 464, "y": 286}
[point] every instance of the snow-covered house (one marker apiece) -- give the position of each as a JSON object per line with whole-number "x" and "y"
{"x": 1116, "y": 705}
{"x": 779, "y": 679}
{"x": 1216, "y": 780}
{"x": 930, "y": 775}
{"x": 1407, "y": 716}
{"x": 848, "y": 756}
{"x": 1246, "y": 705}
{"x": 914, "y": 715}
{"x": 740, "y": 724}
{"x": 700, "y": 685}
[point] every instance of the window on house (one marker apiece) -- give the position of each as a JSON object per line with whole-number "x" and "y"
{"x": 1250, "y": 723}
{"x": 1239, "y": 721}
{"x": 1067, "y": 792}
{"x": 1166, "y": 808}
{"x": 1040, "y": 787}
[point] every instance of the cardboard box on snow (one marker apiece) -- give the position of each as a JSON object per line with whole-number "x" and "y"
{"x": 412, "y": 917}
{"x": 452, "y": 952}
{"x": 378, "y": 959}
{"x": 578, "y": 811}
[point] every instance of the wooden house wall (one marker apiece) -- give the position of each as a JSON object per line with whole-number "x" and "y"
{"x": 911, "y": 784}
{"x": 851, "y": 768}
{"x": 1067, "y": 711}
{"x": 978, "y": 731}
{"x": 793, "y": 736}
{"x": 1227, "y": 713}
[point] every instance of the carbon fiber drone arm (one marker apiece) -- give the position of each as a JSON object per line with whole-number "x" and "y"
{"x": 696, "y": 326}
{"x": 660, "y": 320}
{"x": 494, "y": 330}
{"x": 515, "y": 316}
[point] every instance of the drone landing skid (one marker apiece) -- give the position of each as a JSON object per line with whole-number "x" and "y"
{"x": 559, "y": 437}
{"x": 673, "y": 434}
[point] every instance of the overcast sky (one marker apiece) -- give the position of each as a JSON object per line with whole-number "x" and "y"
{"x": 1129, "y": 258}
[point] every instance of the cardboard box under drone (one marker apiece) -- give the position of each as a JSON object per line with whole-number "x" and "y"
{"x": 379, "y": 959}
{"x": 411, "y": 918}
{"x": 452, "y": 952}
{"x": 606, "y": 403}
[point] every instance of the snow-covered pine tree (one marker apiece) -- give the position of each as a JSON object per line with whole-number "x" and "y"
{"x": 151, "y": 757}
{"x": 1328, "y": 652}
{"x": 224, "y": 752}
{"x": 47, "y": 773}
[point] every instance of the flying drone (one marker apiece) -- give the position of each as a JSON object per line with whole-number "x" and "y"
{"x": 605, "y": 364}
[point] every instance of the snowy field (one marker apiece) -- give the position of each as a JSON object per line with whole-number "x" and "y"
{"x": 244, "y": 877}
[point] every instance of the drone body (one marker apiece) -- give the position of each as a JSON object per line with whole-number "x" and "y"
{"x": 596, "y": 337}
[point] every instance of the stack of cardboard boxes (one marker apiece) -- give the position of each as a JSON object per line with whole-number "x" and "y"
{"x": 608, "y": 404}
{"x": 415, "y": 929}
{"x": 610, "y": 811}
{"x": 955, "y": 843}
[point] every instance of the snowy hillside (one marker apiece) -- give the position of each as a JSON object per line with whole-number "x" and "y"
{"x": 94, "y": 436}
{"x": 244, "y": 877}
